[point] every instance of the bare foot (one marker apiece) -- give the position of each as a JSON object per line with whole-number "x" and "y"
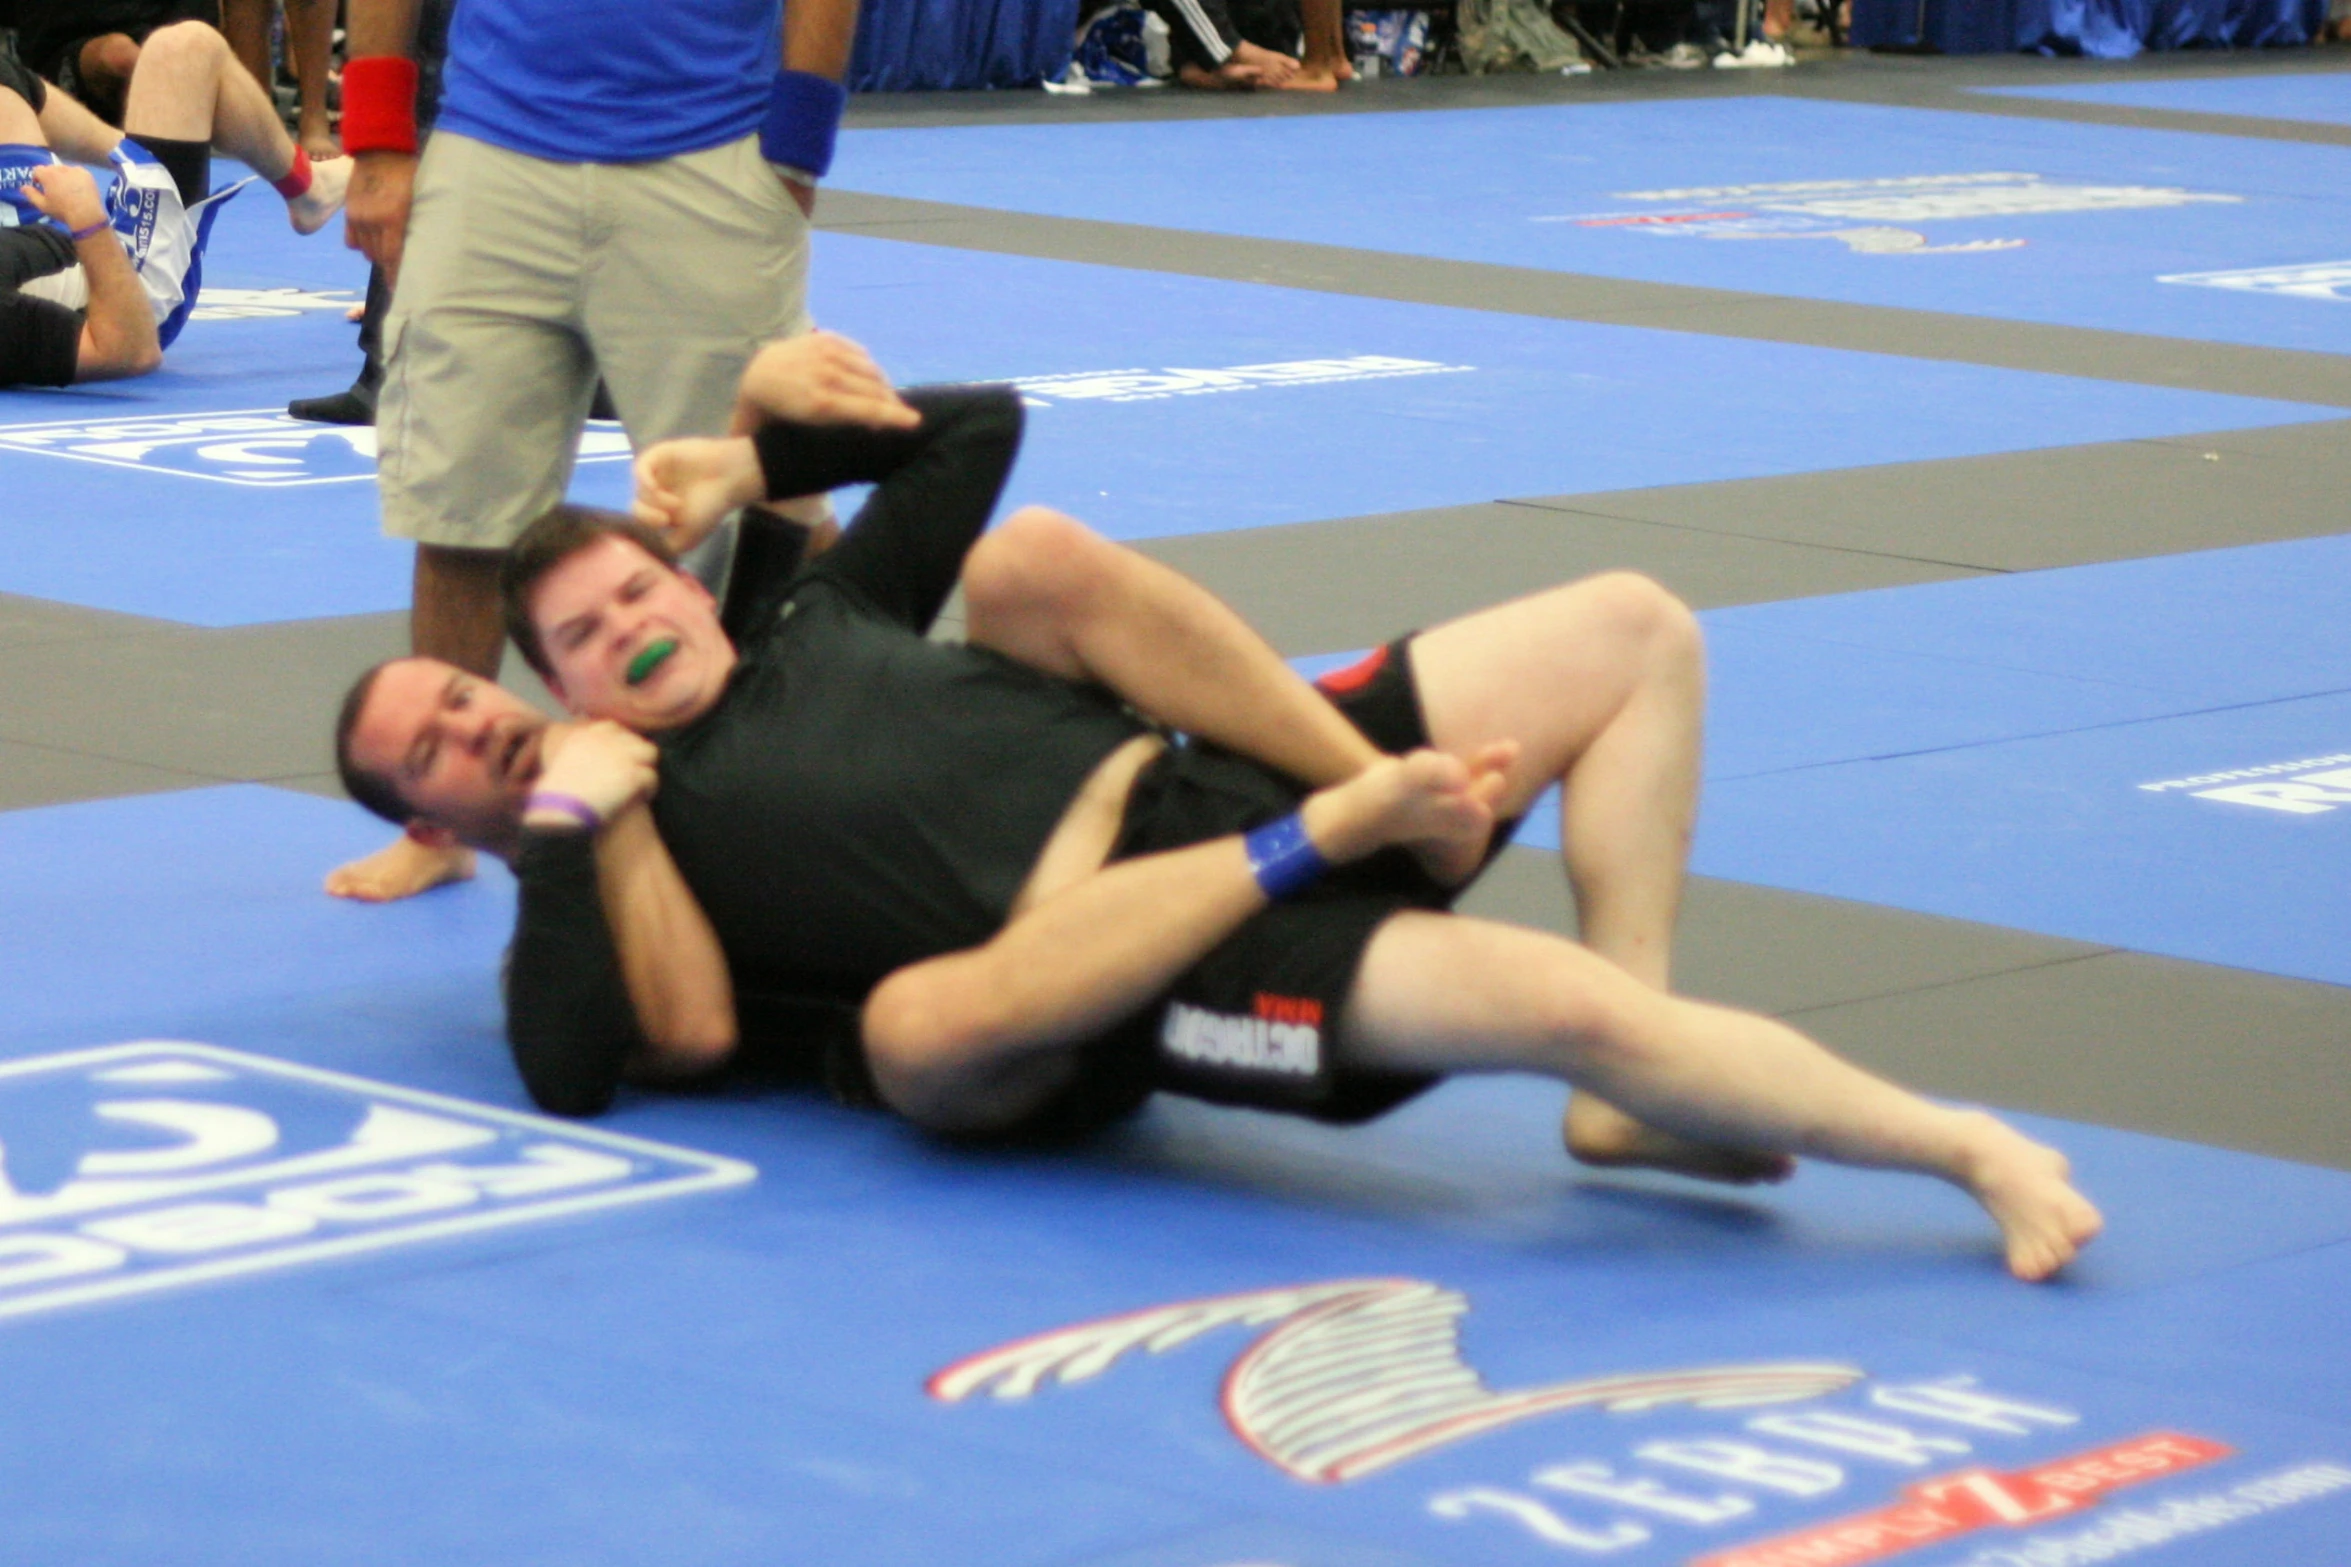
{"x": 401, "y": 869}
{"x": 1273, "y": 70}
{"x": 1232, "y": 76}
{"x": 329, "y": 179}
{"x": 1315, "y": 76}
{"x": 319, "y": 142}
{"x": 2028, "y": 1188}
{"x": 1438, "y": 806}
{"x": 1600, "y": 1134}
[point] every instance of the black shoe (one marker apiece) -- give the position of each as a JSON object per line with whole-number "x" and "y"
{"x": 356, "y": 406}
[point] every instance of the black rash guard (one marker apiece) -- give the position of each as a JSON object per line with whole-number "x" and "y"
{"x": 860, "y": 798}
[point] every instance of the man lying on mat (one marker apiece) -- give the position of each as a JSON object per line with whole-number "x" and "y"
{"x": 1046, "y": 909}
{"x": 92, "y": 291}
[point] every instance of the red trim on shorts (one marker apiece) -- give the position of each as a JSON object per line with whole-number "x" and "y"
{"x": 1339, "y": 682}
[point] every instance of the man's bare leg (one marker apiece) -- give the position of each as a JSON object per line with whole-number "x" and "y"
{"x": 1441, "y": 993}
{"x": 974, "y": 1040}
{"x": 455, "y": 618}
{"x": 1049, "y": 592}
{"x": 1325, "y": 65}
{"x": 190, "y": 88}
{"x": 72, "y": 132}
{"x": 19, "y": 125}
{"x": 1603, "y": 684}
{"x": 310, "y": 36}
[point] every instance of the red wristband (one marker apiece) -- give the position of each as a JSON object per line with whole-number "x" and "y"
{"x": 379, "y": 104}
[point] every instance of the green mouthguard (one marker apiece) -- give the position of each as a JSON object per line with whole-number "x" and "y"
{"x": 651, "y": 658}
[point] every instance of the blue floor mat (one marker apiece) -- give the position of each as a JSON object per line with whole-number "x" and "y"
{"x": 2217, "y": 836}
{"x": 193, "y": 497}
{"x": 2027, "y": 220}
{"x": 1423, "y": 1342}
{"x": 2325, "y": 99}
{"x": 1900, "y": 672}
{"x": 2133, "y": 753}
{"x": 1159, "y": 405}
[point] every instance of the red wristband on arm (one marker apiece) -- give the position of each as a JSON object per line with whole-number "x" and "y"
{"x": 379, "y": 104}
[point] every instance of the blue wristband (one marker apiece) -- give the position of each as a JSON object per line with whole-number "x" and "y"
{"x": 1282, "y": 858}
{"x": 803, "y": 113}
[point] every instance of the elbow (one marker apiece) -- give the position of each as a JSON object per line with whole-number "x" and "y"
{"x": 918, "y": 1037}
{"x": 118, "y": 361}
{"x": 690, "y": 1046}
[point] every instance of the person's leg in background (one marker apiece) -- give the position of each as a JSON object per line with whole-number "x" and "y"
{"x": 486, "y": 385}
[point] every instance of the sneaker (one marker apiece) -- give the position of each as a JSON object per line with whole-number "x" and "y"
{"x": 1683, "y": 57}
{"x": 1760, "y": 54}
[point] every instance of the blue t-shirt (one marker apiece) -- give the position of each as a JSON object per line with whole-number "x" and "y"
{"x": 610, "y": 81}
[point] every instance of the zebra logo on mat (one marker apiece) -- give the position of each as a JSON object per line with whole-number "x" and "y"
{"x": 153, "y": 1166}
{"x": 1358, "y": 1375}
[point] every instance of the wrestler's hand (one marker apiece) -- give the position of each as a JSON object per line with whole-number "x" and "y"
{"x": 375, "y": 212}
{"x": 818, "y": 378}
{"x": 684, "y": 487}
{"x": 65, "y": 193}
{"x": 608, "y": 767}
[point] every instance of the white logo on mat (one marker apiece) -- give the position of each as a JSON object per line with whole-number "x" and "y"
{"x": 246, "y": 304}
{"x": 1135, "y": 386}
{"x": 2329, "y": 280}
{"x": 1866, "y": 215}
{"x": 256, "y": 447}
{"x": 158, "y": 1165}
{"x": 2312, "y": 786}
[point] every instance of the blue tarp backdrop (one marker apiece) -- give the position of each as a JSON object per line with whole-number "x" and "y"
{"x": 2103, "y": 29}
{"x": 929, "y": 45}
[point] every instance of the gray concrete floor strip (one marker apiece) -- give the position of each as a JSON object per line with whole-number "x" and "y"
{"x": 2028, "y": 511}
{"x": 1916, "y": 334}
{"x": 2159, "y": 1045}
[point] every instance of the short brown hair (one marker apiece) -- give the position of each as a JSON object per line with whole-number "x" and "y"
{"x": 371, "y": 789}
{"x": 546, "y": 544}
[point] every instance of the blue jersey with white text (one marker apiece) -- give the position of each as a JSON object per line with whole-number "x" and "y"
{"x": 610, "y": 81}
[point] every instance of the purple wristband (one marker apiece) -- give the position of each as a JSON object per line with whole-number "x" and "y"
{"x": 94, "y": 230}
{"x": 570, "y": 805}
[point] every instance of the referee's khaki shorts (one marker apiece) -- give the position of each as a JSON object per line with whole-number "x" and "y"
{"x": 523, "y": 280}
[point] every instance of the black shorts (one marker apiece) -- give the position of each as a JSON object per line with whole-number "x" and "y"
{"x": 1260, "y": 1021}
{"x": 18, "y": 78}
{"x": 60, "y": 57}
